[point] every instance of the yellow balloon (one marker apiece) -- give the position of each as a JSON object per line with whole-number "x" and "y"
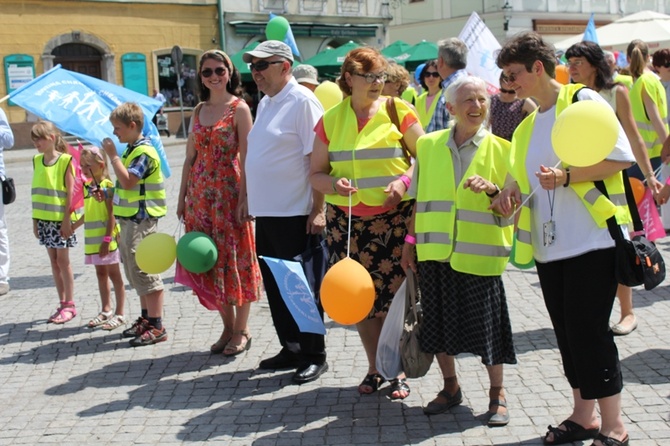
{"x": 156, "y": 253}
{"x": 347, "y": 292}
{"x": 329, "y": 94}
{"x": 585, "y": 133}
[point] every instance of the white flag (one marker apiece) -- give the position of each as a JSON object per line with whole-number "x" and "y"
{"x": 482, "y": 51}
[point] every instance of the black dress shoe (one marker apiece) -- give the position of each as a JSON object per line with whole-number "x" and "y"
{"x": 310, "y": 372}
{"x": 283, "y": 360}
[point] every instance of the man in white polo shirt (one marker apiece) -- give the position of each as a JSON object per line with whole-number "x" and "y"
{"x": 279, "y": 194}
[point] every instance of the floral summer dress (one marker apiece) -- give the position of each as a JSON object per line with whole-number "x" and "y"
{"x": 211, "y": 200}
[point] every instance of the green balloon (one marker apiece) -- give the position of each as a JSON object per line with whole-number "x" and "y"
{"x": 197, "y": 252}
{"x": 277, "y": 28}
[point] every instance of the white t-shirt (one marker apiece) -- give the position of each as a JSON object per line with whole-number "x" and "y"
{"x": 279, "y": 145}
{"x": 576, "y": 232}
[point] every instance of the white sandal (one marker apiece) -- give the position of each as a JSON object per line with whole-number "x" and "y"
{"x": 100, "y": 319}
{"x": 115, "y": 322}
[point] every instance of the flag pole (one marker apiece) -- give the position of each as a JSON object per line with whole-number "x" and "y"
{"x": 4, "y": 99}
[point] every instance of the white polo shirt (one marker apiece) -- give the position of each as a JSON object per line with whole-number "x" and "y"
{"x": 277, "y": 163}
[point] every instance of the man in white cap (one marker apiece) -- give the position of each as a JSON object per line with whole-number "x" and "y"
{"x": 287, "y": 211}
{"x": 307, "y": 76}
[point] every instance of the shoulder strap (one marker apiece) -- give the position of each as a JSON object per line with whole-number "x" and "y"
{"x": 393, "y": 114}
{"x": 614, "y": 229}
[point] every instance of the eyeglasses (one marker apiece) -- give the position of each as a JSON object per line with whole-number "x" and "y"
{"x": 575, "y": 63}
{"x": 207, "y": 72}
{"x": 502, "y": 90}
{"x": 432, "y": 74}
{"x": 371, "y": 77}
{"x": 510, "y": 78}
{"x": 262, "y": 65}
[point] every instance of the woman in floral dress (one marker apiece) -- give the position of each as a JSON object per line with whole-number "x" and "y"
{"x": 212, "y": 189}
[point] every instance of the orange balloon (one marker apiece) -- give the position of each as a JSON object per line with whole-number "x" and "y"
{"x": 638, "y": 189}
{"x": 562, "y": 74}
{"x": 347, "y": 292}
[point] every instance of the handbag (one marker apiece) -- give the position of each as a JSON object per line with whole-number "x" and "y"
{"x": 8, "y": 190}
{"x": 415, "y": 362}
{"x": 388, "y": 360}
{"x": 314, "y": 261}
{"x": 638, "y": 261}
{"x": 393, "y": 114}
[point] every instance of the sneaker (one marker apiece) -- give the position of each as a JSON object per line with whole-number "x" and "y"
{"x": 150, "y": 336}
{"x": 138, "y": 327}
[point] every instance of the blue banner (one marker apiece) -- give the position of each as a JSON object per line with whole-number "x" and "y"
{"x": 590, "y": 32}
{"x": 297, "y": 295}
{"x": 81, "y": 105}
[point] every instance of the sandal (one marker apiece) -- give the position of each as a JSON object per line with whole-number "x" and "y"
{"x": 573, "y": 432}
{"x": 235, "y": 349}
{"x": 220, "y": 345}
{"x": 373, "y": 381}
{"x": 100, "y": 319}
{"x": 609, "y": 441}
{"x": 498, "y": 419}
{"x": 65, "y": 313}
{"x": 399, "y": 385}
{"x": 115, "y": 322}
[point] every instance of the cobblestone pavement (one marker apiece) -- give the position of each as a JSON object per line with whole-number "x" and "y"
{"x": 69, "y": 384}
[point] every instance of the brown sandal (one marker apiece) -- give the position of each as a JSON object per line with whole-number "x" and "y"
{"x": 220, "y": 345}
{"x": 235, "y": 349}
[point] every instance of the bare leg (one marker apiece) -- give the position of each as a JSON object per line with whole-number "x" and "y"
{"x": 114, "y": 273}
{"x": 241, "y": 334}
{"x": 497, "y": 391}
{"x": 105, "y": 288}
{"x": 369, "y": 331}
{"x": 67, "y": 278}
{"x": 610, "y": 413}
{"x": 628, "y": 322}
{"x": 56, "y": 272}
{"x": 154, "y": 303}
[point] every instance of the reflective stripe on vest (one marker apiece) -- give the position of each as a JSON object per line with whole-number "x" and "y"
{"x": 652, "y": 85}
{"x": 48, "y": 192}
{"x": 151, "y": 189}
{"x": 599, "y": 207}
{"x": 453, "y": 223}
{"x": 96, "y": 216}
{"x": 371, "y": 157}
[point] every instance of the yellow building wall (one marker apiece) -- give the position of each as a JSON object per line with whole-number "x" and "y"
{"x": 27, "y": 26}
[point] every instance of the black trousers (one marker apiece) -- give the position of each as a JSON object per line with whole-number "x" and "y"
{"x": 579, "y": 293}
{"x": 285, "y": 238}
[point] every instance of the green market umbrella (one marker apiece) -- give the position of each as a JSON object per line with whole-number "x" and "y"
{"x": 329, "y": 61}
{"x": 417, "y": 54}
{"x": 396, "y": 49}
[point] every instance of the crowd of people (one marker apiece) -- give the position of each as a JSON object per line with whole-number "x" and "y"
{"x": 435, "y": 186}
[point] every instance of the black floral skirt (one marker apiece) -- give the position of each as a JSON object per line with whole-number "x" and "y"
{"x": 376, "y": 243}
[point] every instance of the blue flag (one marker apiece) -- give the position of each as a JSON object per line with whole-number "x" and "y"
{"x": 297, "y": 294}
{"x": 81, "y": 105}
{"x": 590, "y": 32}
{"x": 289, "y": 39}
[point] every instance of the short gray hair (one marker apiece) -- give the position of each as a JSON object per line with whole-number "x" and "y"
{"x": 454, "y": 52}
{"x": 452, "y": 90}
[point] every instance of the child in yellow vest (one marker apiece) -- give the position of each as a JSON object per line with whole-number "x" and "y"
{"x": 52, "y": 186}
{"x": 100, "y": 231}
{"x": 139, "y": 201}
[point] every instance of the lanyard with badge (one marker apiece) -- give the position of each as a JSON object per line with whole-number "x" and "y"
{"x": 549, "y": 227}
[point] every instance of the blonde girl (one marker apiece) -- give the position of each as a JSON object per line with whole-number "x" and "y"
{"x": 100, "y": 230}
{"x": 53, "y": 182}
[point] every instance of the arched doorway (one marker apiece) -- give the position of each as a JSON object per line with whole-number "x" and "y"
{"x": 80, "y": 58}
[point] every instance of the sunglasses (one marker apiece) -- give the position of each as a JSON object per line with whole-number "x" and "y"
{"x": 502, "y": 90}
{"x": 432, "y": 74}
{"x": 207, "y": 72}
{"x": 371, "y": 77}
{"x": 510, "y": 78}
{"x": 262, "y": 65}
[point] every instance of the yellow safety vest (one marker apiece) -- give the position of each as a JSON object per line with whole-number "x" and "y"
{"x": 409, "y": 95}
{"x": 483, "y": 240}
{"x": 600, "y": 207}
{"x": 49, "y": 192}
{"x": 425, "y": 115}
{"x": 371, "y": 158}
{"x": 96, "y": 216}
{"x": 656, "y": 92}
{"x": 151, "y": 189}
{"x": 624, "y": 79}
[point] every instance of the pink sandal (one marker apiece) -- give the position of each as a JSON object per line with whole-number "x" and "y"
{"x": 65, "y": 313}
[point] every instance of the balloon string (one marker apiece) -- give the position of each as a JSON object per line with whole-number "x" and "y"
{"x": 530, "y": 195}
{"x": 181, "y": 222}
{"x": 349, "y": 224}
{"x": 656, "y": 172}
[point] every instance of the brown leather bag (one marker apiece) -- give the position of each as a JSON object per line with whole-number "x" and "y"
{"x": 393, "y": 114}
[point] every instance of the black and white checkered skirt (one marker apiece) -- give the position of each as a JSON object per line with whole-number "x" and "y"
{"x": 464, "y": 313}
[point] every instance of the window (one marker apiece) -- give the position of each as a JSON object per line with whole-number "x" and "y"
{"x": 167, "y": 80}
{"x": 272, "y": 5}
{"x": 349, "y": 7}
{"x": 313, "y": 6}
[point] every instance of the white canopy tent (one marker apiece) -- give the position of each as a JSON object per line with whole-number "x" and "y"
{"x": 648, "y": 26}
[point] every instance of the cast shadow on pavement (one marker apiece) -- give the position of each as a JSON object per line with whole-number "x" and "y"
{"x": 648, "y": 367}
{"x": 35, "y": 282}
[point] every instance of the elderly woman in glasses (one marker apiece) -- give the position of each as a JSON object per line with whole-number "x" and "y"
{"x": 358, "y": 152}
{"x": 462, "y": 247}
{"x": 507, "y": 110}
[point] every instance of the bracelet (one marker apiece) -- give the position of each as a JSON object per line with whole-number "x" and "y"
{"x": 107, "y": 239}
{"x": 567, "y": 175}
{"x": 406, "y": 180}
{"x": 497, "y": 191}
{"x": 410, "y": 239}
